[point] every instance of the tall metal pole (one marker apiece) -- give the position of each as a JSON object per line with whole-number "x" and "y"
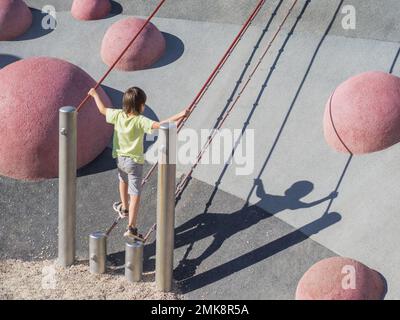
{"x": 67, "y": 185}
{"x": 166, "y": 206}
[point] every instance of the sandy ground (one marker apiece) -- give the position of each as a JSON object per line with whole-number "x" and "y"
{"x": 47, "y": 280}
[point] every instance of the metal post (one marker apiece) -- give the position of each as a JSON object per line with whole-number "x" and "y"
{"x": 67, "y": 185}
{"x": 134, "y": 261}
{"x": 166, "y": 206}
{"x": 97, "y": 252}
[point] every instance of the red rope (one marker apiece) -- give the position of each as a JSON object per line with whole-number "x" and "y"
{"x": 181, "y": 185}
{"x": 212, "y": 135}
{"x": 122, "y": 54}
{"x": 213, "y": 75}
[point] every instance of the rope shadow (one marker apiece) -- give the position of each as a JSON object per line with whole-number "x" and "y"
{"x": 277, "y": 138}
{"x": 247, "y": 121}
{"x": 297, "y": 235}
{"x": 349, "y": 159}
{"x": 240, "y": 79}
{"x": 394, "y": 61}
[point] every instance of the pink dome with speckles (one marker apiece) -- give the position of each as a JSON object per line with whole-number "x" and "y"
{"x": 339, "y": 278}
{"x": 31, "y": 93}
{"x": 363, "y": 113}
{"x": 148, "y": 47}
{"x": 15, "y": 19}
{"x": 90, "y": 9}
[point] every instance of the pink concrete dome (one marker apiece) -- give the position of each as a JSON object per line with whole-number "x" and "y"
{"x": 363, "y": 113}
{"x": 15, "y": 19}
{"x": 339, "y": 278}
{"x": 32, "y": 91}
{"x": 148, "y": 47}
{"x": 90, "y": 9}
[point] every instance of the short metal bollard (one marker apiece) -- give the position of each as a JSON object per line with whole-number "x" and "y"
{"x": 134, "y": 261}
{"x": 97, "y": 252}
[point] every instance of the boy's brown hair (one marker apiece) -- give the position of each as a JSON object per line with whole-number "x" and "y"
{"x": 133, "y": 99}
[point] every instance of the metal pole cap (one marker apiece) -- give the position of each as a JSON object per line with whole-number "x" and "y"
{"x": 67, "y": 109}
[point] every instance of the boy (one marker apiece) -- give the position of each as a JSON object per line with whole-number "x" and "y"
{"x": 129, "y": 129}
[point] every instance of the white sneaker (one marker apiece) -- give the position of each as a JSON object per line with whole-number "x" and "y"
{"x": 123, "y": 213}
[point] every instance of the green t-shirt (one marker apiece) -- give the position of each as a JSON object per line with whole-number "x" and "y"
{"x": 128, "y": 134}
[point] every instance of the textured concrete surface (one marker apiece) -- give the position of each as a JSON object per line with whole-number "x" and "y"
{"x": 362, "y": 115}
{"x": 32, "y": 91}
{"x": 375, "y": 19}
{"x": 283, "y": 104}
{"x": 10, "y": 28}
{"x": 147, "y": 49}
{"x": 339, "y": 278}
{"x": 90, "y": 9}
{"x": 237, "y": 251}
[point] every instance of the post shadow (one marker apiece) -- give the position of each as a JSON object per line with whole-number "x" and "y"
{"x": 248, "y": 259}
{"x": 36, "y": 30}
{"x": 297, "y": 191}
{"x": 222, "y": 226}
{"x": 6, "y": 59}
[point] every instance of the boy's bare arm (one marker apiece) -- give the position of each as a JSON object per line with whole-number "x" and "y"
{"x": 99, "y": 103}
{"x": 184, "y": 113}
{"x": 331, "y": 196}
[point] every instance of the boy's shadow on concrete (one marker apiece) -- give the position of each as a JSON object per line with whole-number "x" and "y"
{"x": 104, "y": 161}
{"x": 222, "y": 226}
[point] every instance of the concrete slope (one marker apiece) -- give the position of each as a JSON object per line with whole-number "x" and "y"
{"x": 217, "y": 256}
{"x": 375, "y": 19}
{"x": 284, "y": 105}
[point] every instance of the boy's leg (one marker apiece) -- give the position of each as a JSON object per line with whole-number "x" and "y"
{"x": 133, "y": 210}
{"x": 123, "y": 192}
{"x": 134, "y": 190}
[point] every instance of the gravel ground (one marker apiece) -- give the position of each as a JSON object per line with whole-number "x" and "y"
{"x": 46, "y": 280}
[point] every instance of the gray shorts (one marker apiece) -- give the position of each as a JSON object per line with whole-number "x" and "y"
{"x": 131, "y": 173}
